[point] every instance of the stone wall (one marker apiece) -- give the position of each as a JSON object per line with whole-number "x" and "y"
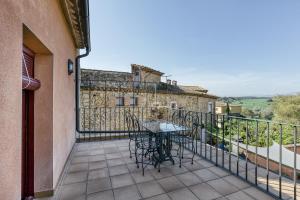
{"x": 96, "y": 99}
{"x": 99, "y": 111}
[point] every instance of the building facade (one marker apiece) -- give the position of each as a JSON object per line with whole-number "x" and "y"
{"x": 142, "y": 87}
{"x": 40, "y": 40}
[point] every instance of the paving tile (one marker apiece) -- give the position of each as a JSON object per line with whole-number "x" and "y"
{"x": 81, "y": 159}
{"x": 238, "y": 196}
{"x": 205, "y": 163}
{"x": 193, "y": 167}
{"x": 257, "y": 194}
{"x": 129, "y": 160}
{"x": 139, "y": 178}
{"x": 117, "y": 170}
{"x": 205, "y": 192}
{"x": 113, "y": 156}
{"x": 75, "y": 177}
{"x": 96, "y": 152}
{"x": 115, "y": 162}
{"x": 236, "y": 182}
{"x": 108, "y": 150}
{"x": 121, "y": 180}
{"x": 127, "y": 193}
{"x": 149, "y": 189}
{"x": 170, "y": 183}
{"x": 189, "y": 179}
{"x": 182, "y": 194}
{"x": 98, "y": 173}
{"x": 78, "y": 167}
{"x": 205, "y": 174}
{"x": 105, "y": 195}
{"x": 96, "y": 158}
{"x": 217, "y": 170}
{"x": 72, "y": 191}
{"x": 160, "y": 197}
{"x": 97, "y": 165}
{"x": 175, "y": 169}
{"x": 98, "y": 185}
{"x": 81, "y": 153}
{"x": 222, "y": 186}
{"x": 133, "y": 168}
{"x": 164, "y": 172}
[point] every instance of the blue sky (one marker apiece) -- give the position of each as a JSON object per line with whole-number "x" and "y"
{"x": 231, "y": 47}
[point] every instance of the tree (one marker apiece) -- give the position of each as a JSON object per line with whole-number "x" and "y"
{"x": 287, "y": 109}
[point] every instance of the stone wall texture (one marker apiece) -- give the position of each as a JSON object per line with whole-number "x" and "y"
{"x": 100, "y": 106}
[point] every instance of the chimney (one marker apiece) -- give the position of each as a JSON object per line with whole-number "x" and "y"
{"x": 174, "y": 83}
{"x": 168, "y": 81}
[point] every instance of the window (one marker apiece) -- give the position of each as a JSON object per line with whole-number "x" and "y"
{"x": 210, "y": 107}
{"x": 133, "y": 101}
{"x": 119, "y": 101}
{"x": 173, "y": 105}
{"x": 137, "y": 73}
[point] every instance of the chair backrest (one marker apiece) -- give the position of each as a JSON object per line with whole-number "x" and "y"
{"x": 139, "y": 132}
{"x": 129, "y": 122}
{"x": 178, "y": 117}
{"x": 193, "y": 124}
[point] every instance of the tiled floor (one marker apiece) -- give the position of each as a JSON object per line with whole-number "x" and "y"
{"x": 104, "y": 171}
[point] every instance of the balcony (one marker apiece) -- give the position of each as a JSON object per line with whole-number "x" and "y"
{"x": 103, "y": 170}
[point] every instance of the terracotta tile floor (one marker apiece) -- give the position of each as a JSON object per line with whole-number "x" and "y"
{"x": 104, "y": 171}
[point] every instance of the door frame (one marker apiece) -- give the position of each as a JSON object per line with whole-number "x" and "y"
{"x": 27, "y": 178}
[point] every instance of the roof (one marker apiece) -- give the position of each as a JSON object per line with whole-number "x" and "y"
{"x": 287, "y": 155}
{"x": 145, "y": 68}
{"x": 77, "y": 16}
{"x": 115, "y": 80}
{"x": 195, "y": 89}
{"x": 101, "y": 75}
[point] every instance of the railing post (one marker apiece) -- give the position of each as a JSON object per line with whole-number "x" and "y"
{"x": 268, "y": 153}
{"x": 256, "y": 148}
{"x": 238, "y": 147}
{"x": 280, "y": 162}
{"x": 295, "y": 162}
{"x": 223, "y": 138}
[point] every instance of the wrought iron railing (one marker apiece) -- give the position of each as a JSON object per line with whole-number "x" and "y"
{"x": 264, "y": 153}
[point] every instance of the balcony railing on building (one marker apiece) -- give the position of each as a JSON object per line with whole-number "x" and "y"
{"x": 264, "y": 153}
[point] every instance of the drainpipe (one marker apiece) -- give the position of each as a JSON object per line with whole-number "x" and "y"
{"x": 77, "y": 65}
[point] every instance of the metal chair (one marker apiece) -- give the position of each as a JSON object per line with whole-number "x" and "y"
{"x": 188, "y": 137}
{"x": 145, "y": 145}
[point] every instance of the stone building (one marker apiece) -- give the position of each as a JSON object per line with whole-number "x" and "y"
{"x": 142, "y": 87}
{"x": 105, "y": 95}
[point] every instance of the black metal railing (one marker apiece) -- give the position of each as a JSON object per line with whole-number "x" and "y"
{"x": 264, "y": 153}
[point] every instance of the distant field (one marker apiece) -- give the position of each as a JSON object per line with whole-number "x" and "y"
{"x": 253, "y": 103}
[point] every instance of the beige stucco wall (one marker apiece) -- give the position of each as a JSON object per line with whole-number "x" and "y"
{"x": 45, "y": 20}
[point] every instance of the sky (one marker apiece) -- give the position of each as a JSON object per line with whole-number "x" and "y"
{"x": 230, "y": 47}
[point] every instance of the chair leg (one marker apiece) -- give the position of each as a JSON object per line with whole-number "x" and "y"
{"x": 179, "y": 155}
{"x": 143, "y": 161}
{"x": 130, "y": 156}
{"x": 193, "y": 150}
{"x": 136, "y": 157}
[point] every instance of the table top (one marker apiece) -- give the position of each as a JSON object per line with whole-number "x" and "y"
{"x": 162, "y": 127}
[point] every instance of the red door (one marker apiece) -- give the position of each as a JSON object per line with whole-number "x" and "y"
{"x": 29, "y": 84}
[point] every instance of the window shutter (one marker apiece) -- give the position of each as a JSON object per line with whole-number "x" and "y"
{"x": 28, "y": 80}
